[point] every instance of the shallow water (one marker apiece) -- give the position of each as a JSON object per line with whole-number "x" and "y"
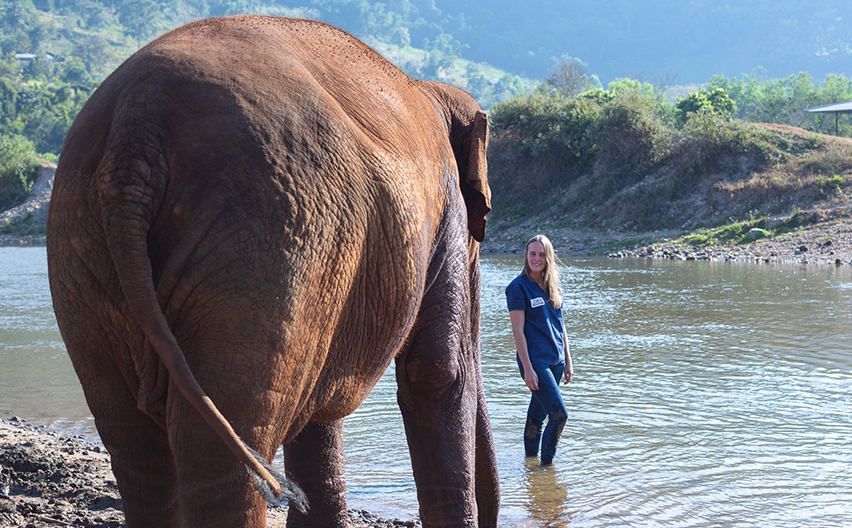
{"x": 707, "y": 394}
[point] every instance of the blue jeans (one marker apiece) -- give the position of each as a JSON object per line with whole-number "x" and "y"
{"x": 545, "y": 402}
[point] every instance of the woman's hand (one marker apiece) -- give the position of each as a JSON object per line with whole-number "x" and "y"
{"x": 531, "y": 378}
{"x": 569, "y": 373}
{"x": 518, "y": 319}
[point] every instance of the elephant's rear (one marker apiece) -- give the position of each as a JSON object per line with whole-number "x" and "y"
{"x": 229, "y": 195}
{"x": 148, "y": 234}
{"x": 82, "y": 280}
{"x": 187, "y": 186}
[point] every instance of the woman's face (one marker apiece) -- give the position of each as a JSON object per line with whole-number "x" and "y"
{"x": 535, "y": 257}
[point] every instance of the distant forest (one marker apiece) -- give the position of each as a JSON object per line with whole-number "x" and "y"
{"x": 563, "y": 78}
{"x": 681, "y": 42}
{"x": 688, "y": 42}
{"x": 770, "y": 57}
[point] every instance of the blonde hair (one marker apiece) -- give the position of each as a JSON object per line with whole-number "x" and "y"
{"x": 550, "y": 274}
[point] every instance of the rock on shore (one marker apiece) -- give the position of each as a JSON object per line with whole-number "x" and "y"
{"x": 50, "y": 479}
{"x": 824, "y": 243}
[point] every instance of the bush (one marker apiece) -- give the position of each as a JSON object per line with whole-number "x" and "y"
{"x": 625, "y": 135}
{"x": 551, "y": 126}
{"x": 707, "y": 141}
{"x": 18, "y": 165}
{"x": 613, "y": 132}
{"x": 715, "y": 101}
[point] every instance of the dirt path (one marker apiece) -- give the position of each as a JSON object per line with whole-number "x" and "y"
{"x": 48, "y": 479}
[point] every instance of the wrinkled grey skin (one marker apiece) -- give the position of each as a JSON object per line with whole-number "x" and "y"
{"x": 252, "y": 217}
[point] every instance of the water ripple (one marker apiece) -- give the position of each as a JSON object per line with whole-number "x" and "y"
{"x": 707, "y": 395}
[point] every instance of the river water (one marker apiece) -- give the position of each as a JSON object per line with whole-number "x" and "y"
{"x": 706, "y": 394}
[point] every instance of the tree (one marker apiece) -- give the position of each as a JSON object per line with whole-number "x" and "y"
{"x": 722, "y": 103}
{"x": 140, "y": 18}
{"x": 568, "y": 77}
{"x": 8, "y": 102}
{"x": 628, "y": 85}
{"x": 95, "y": 52}
{"x": 20, "y": 29}
{"x": 443, "y": 51}
{"x": 17, "y": 169}
{"x": 93, "y": 14}
{"x": 74, "y": 73}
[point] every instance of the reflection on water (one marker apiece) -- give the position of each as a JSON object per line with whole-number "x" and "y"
{"x": 707, "y": 394}
{"x": 546, "y": 497}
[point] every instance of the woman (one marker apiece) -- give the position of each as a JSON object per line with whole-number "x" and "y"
{"x": 535, "y": 309}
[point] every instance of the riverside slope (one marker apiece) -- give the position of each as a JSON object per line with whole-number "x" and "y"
{"x": 801, "y": 194}
{"x": 789, "y": 200}
{"x": 827, "y": 239}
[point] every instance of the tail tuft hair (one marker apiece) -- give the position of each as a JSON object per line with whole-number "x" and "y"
{"x": 290, "y": 492}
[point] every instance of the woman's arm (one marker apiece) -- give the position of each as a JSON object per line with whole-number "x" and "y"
{"x": 569, "y": 364}
{"x": 518, "y": 319}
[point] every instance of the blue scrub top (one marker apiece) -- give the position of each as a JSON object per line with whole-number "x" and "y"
{"x": 544, "y": 327}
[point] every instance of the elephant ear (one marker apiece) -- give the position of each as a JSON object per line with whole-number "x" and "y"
{"x": 474, "y": 183}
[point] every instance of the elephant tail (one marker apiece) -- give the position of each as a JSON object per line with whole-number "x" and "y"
{"x": 128, "y": 206}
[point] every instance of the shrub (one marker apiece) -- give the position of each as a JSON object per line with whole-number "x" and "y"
{"x": 709, "y": 139}
{"x": 598, "y": 95}
{"x": 549, "y": 125}
{"x": 832, "y": 159}
{"x": 613, "y": 134}
{"x": 625, "y": 135}
{"x": 18, "y": 165}
{"x": 733, "y": 233}
{"x": 715, "y": 101}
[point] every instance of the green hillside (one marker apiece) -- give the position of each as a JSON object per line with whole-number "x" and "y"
{"x": 54, "y": 53}
{"x": 626, "y": 166}
{"x": 626, "y": 110}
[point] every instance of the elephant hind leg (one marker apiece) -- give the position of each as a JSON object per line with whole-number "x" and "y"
{"x": 145, "y": 472}
{"x": 141, "y": 459}
{"x": 437, "y": 381}
{"x": 216, "y": 490}
{"x": 487, "y": 481}
{"x": 314, "y": 459}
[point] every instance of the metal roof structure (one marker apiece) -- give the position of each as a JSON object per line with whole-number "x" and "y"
{"x": 840, "y": 108}
{"x": 836, "y": 109}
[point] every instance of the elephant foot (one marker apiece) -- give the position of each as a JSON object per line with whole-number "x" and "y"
{"x": 314, "y": 460}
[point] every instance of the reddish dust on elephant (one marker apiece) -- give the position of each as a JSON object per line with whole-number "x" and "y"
{"x": 252, "y": 218}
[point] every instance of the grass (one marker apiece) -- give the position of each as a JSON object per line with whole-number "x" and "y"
{"x": 733, "y": 233}
{"x": 736, "y": 233}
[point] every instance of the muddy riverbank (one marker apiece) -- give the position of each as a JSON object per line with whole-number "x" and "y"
{"x": 50, "y": 479}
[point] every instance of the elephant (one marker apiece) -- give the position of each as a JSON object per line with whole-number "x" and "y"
{"x": 252, "y": 218}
